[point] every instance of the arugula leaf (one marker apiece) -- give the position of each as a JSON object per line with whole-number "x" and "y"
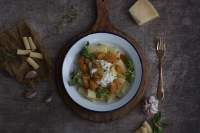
{"x": 129, "y": 74}
{"x": 158, "y": 125}
{"x": 85, "y": 52}
{"x": 128, "y": 62}
{"x": 75, "y": 78}
{"x": 157, "y": 130}
{"x": 157, "y": 118}
{"x": 102, "y": 92}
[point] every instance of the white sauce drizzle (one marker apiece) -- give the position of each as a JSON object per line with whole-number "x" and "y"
{"x": 108, "y": 75}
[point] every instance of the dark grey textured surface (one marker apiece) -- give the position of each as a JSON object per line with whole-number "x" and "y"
{"x": 180, "y": 19}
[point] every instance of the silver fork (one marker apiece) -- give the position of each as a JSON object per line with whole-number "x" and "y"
{"x": 160, "y": 49}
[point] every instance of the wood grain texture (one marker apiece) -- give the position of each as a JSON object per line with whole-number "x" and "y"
{"x": 102, "y": 24}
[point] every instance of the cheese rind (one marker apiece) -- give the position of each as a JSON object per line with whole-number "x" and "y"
{"x": 23, "y": 52}
{"x": 32, "y": 44}
{"x": 26, "y": 43}
{"x": 36, "y": 55}
{"x": 32, "y": 63}
{"x": 143, "y": 11}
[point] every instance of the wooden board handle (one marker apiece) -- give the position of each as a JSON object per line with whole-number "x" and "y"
{"x": 102, "y": 22}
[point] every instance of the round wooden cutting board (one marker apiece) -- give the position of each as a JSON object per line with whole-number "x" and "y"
{"x": 102, "y": 24}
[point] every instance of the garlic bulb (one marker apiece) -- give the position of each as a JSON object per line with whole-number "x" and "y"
{"x": 151, "y": 106}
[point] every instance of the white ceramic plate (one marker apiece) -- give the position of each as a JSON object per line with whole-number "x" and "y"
{"x": 108, "y": 39}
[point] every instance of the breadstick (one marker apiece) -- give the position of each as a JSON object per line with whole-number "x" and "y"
{"x": 26, "y": 43}
{"x": 32, "y": 44}
{"x": 23, "y": 52}
{"x": 32, "y": 63}
{"x": 36, "y": 55}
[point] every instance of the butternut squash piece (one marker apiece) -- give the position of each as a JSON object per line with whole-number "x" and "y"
{"x": 84, "y": 68}
{"x": 113, "y": 87}
{"x": 93, "y": 85}
{"x": 86, "y": 80}
{"x": 119, "y": 69}
{"x": 122, "y": 66}
{"x": 110, "y": 57}
{"x": 99, "y": 55}
{"x": 120, "y": 82}
{"x": 122, "y": 57}
{"x": 96, "y": 65}
{"x": 81, "y": 61}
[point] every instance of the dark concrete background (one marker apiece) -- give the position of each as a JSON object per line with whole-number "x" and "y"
{"x": 180, "y": 19}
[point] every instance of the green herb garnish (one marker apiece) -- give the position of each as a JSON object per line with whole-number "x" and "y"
{"x": 75, "y": 78}
{"x": 157, "y": 124}
{"x": 129, "y": 74}
{"x": 102, "y": 92}
{"x": 85, "y": 52}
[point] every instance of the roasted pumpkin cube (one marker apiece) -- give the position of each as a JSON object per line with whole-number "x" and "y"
{"x": 86, "y": 79}
{"x": 110, "y": 57}
{"x": 93, "y": 85}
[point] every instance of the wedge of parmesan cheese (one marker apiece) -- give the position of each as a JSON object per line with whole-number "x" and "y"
{"x": 145, "y": 128}
{"x": 143, "y": 11}
{"x": 26, "y": 43}
{"x": 32, "y": 44}
{"x": 23, "y": 52}
{"x": 146, "y": 124}
{"x": 32, "y": 63}
{"x": 36, "y": 55}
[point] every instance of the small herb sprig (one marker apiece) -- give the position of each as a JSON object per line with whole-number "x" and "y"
{"x": 86, "y": 53}
{"x": 157, "y": 124}
{"x": 129, "y": 74}
{"x": 102, "y": 92}
{"x": 75, "y": 78}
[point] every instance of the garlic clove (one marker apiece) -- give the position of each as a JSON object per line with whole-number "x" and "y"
{"x": 30, "y": 94}
{"x": 48, "y": 99}
{"x": 152, "y": 99}
{"x": 153, "y": 110}
{"x": 31, "y": 74}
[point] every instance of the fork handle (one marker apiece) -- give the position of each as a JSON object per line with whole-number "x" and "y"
{"x": 160, "y": 90}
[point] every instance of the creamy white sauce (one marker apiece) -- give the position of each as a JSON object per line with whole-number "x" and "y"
{"x": 108, "y": 75}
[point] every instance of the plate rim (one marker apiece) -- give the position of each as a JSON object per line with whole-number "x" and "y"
{"x": 142, "y": 69}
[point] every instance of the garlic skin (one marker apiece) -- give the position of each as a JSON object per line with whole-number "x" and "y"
{"x": 151, "y": 106}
